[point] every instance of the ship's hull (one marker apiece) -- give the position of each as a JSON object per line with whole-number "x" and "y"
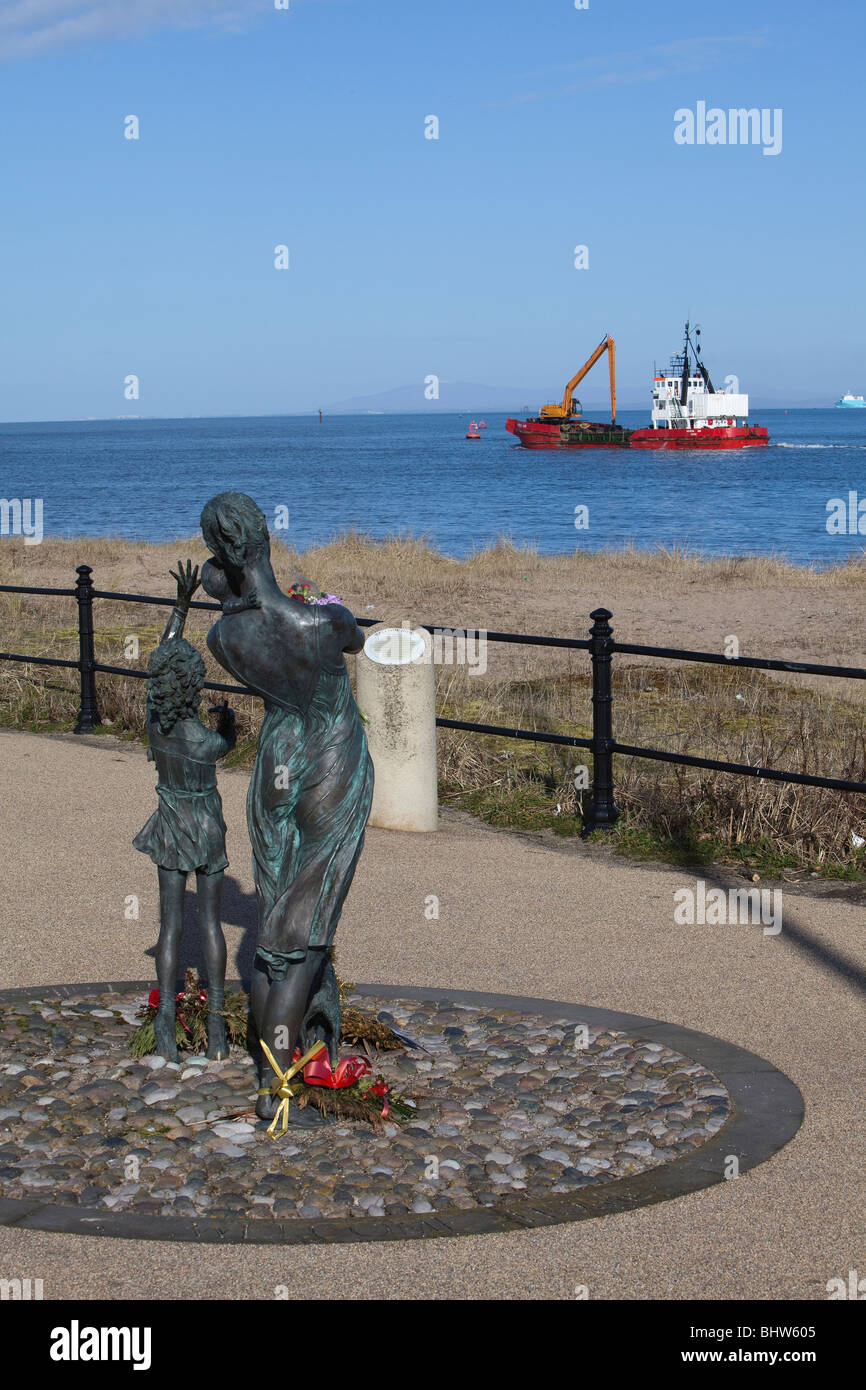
{"x": 547, "y": 434}
{"x": 710, "y": 437}
{"x": 851, "y": 405}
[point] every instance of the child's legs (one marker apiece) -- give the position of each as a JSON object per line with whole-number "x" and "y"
{"x": 209, "y": 899}
{"x": 172, "y": 885}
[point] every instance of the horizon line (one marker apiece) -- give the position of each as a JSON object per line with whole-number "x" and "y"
{"x": 311, "y": 414}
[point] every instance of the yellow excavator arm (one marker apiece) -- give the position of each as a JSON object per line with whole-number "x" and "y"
{"x": 563, "y": 411}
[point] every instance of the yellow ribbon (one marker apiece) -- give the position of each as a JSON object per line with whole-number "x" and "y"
{"x": 282, "y": 1088}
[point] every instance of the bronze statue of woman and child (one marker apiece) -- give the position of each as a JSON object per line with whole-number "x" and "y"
{"x": 307, "y": 806}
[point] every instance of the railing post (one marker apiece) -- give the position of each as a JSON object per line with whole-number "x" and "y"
{"x": 602, "y": 812}
{"x": 88, "y": 711}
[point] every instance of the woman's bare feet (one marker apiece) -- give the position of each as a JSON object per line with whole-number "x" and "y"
{"x": 308, "y": 1118}
{"x": 266, "y": 1106}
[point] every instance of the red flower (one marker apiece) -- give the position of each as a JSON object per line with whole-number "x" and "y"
{"x": 153, "y": 999}
{"x": 380, "y": 1090}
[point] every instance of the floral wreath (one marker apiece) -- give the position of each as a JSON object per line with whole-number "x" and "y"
{"x": 304, "y": 593}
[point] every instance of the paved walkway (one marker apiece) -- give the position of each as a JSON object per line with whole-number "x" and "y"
{"x": 517, "y": 916}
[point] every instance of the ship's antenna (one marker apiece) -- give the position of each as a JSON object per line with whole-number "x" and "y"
{"x": 684, "y": 380}
{"x": 700, "y": 366}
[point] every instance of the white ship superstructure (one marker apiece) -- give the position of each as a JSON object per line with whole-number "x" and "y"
{"x": 685, "y": 399}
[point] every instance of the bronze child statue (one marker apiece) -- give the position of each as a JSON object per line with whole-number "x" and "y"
{"x": 187, "y": 832}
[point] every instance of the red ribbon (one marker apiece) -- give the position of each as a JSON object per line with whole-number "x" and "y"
{"x": 350, "y": 1069}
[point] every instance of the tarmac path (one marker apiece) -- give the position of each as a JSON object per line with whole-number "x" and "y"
{"x": 517, "y": 915}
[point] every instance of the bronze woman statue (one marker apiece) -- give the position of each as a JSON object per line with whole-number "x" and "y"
{"x": 311, "y": 787}
{"x": 186, "y": 833}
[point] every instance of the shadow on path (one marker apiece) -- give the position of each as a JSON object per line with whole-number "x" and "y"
{"x": 825, "y": 957}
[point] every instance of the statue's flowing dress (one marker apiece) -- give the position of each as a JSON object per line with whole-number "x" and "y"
{"x": 308, "y": 800}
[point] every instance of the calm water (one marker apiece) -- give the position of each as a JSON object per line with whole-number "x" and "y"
{"x": 411, "y": 473}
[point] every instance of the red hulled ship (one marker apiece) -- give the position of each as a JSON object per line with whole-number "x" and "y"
{"x": 687, "y": 412}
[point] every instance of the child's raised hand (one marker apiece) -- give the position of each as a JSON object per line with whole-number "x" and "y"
{"x": 187, "y": 581}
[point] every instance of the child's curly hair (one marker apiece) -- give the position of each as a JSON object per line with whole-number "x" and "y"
{"x": 175, "y": 678}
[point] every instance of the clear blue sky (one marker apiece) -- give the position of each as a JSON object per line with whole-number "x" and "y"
{"x": 412, "y": 256}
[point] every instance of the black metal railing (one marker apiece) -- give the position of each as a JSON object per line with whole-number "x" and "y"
{"x": 600, "y": 644}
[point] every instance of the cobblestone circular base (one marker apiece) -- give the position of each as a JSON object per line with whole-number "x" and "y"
{"x": 528, "y": 1112}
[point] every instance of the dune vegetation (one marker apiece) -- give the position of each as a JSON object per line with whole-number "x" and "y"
{"x": 668, "y": 598}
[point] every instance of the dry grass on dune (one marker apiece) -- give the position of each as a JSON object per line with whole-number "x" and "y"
{"x": 400, "y": 561}
{"x": 660, "y": 598}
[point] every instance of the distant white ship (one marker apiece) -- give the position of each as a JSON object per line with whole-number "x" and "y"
{"x": 850, "y": 402}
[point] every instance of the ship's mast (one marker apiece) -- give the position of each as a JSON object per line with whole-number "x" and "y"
{"x": 699, "y": 364}
{"x": 684, "y": 380}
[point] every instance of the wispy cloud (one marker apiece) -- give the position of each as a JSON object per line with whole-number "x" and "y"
{"x": 29, "y": 28}
{"x": 662, "y": 60}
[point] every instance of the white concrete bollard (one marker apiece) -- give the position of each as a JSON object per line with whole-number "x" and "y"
{"x": 396, "y": 689}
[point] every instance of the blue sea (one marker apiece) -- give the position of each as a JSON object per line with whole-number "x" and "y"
{"x": 387, "y": 474}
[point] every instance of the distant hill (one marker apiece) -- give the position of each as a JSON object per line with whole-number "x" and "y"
{"x": 453, "y": 395}
{"x": 475, "y": 398}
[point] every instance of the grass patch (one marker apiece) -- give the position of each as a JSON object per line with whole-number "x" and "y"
{"x": 518, "y": 809}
